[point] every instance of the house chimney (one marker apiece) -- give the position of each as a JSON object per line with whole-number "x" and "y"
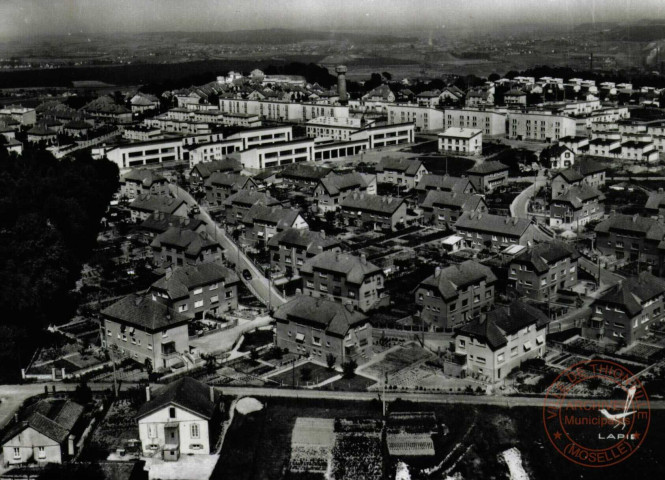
{"x": 363, "y": 259}
{"x": 437, "y": 272}
{"x": 298, "y": 291}
{"x": 212, "y": 394}
{"x": 635, "y": 218}
{"x": 70, "y": 445}
{"x": 323, "y": 233}
{"x": 169, "y": 272}
{"x": 147, "y": 393}
{"x": 349, "y": 307}
{"x": 515, "y": 220}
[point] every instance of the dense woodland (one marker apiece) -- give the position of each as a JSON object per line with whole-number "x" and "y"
{"x": 50, "y": 212}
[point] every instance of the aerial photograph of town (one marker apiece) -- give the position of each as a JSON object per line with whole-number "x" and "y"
{"x": 332, "y": 239}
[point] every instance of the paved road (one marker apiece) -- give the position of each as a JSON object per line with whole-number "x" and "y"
{"x": 519, "y": 206}
{"x": 259, "y": 285}
{"x": 413, "y": 397}
{"x": 223, "y": 341}
{"x": 606, "y": 277}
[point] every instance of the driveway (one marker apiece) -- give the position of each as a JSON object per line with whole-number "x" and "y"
{"x": 223, "y": 341}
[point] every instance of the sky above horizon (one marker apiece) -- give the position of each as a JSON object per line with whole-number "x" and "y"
{"x": 22, "y": 18}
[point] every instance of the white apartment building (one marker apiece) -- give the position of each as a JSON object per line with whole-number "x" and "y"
{"x": 254, "y": 137}
{"x": 461, "y": 141}
{"x": 490, "y": 122}
{"x": 333, "y": 128}
{"x": 543, "y": 127}
{"x": 206, "y": 152}
{"x": 425, "y": 119}
{"x": 282, "y": 111}
{"x": 276, "y": 154}
{"x": 146, "y": 153}
{"x": 384, "y": 135}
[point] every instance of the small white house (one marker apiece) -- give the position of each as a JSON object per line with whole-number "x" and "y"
{"x": 175, "y": 421}
{"x": 461, "y": 141}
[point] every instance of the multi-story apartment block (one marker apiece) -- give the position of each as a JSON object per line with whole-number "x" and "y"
{"x": 146, "y": 153}
{"x": 442, "y": 209}
{"x": 577, "y": 206}
{"x": 316, "y": 328}
{"x": 452, "y": 295}
{"x": 276, "y": 154}
{"x": 254, "y": 137}
{"x": 461, "y": 141}
{"x": 374, "y": 212}
{"x": 400, "y": 171}
{"x": 541, "y": 126}
{"x": 491, "y": 123}
{"x": 542, "y": 270}
{"x": 426, "y": 119}
{"x": 344, "y": 278}
{"x": 181, "y": 246}
{"x": 625, "y": 312}
{"x": 290, "y": 248}
{"x": 211, "y": 152}
{"x": 282, "y": 111}
{"x": 384, "y": 135}
{"x": 487, "y": 176}
{"x": 332, "y": 128}
{"x": 142, "y": 182}
{"x": 220, "y": 186}
{"x": 577, "y": 144}
{"x": 498, "y": 342}
{"x": 496, "y": 232}
{"x": 146, "y": 331}
{"x": 204, "y": 289}
{"x": 332, "y": 190}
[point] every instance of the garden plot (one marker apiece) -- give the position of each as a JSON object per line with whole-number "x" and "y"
{"x": 357, "y": 450}
{"x": 643, "y": 350}
{"x": 118, "y": 430}
{"x": 311, "y": 444}
{"x": 409, "y": 434}
{"x": 393, "y": 362}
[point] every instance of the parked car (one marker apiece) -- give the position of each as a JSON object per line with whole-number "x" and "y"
{"x": 246, "y": 274}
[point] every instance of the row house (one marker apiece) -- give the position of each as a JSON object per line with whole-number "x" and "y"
{"x": 220, "y": 186}
{"x": 442, "y": 209}
{"x": 317, "y": 328}
{"x": 544, "y": 269}
{"x": 261, "y": 223}
{"x": 496, "y": 232}
{"x": 282, "y": 111}
{"x": 575, "y": 143}
{"x": 332, "y": 190}
{"x": 453, "y": 295}
{"x": 145, "y": 205}
{"x": 487, "y": 176}
{"x": 181, "y": 246}
{"x": 631, "y": 238}
{"x": 443, "y": 183}
{"x": 497, "y": 343}
{"x": 577, "y": 206}
{"x": 400, "y": 171}
{"x": 147, "y": 331}
{"x": 207, "y": 288}
{"x": 139, "y": 182}
{"x": 344, "y": 278}
{"x": 254, "y": 137}
{"x": 373, "y": 212}
{"x": 625, "y": 313}
{"x": 292, "y": 247}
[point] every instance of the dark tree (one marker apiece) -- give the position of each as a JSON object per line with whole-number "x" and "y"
{"x": 330, "y": 360}
{"x": 349, "y": 368}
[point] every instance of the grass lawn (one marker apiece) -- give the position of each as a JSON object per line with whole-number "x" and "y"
{"x": 356, "y": 384}
{"x": 257, "y": 446}
{"x": 318, "y": 374}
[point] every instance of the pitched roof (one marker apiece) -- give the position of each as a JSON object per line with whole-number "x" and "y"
{"x": 54, "y": 420}
{"x": 494, "y": 327}
{"x": 205, "y": 169}
{"x": 144, "y": 313}
{"x": 651, "y": 228}
{"x": 450, "y": 280}
{"x": 587, "y": 166}
{"x": 443, "y": 199}
{"x": 555, "y": 150}
{"x": 372, "y": 203}
{"x": 230, "y": 180}
{"x": 304, "y": 238}
{"x": 354, "y": 268}
{"x": 655, "y": 201}
{"x": 160, "y": 222}
{"x": 186, "y": 393}
{"x": 189, "y": 241}
{"x": 578, "y": 194}
{"x": 632, "y": 292}
{"x": 409, "y": 167}
{"x": 382, "y": 91}
{"x": 302, "y": 171}
{"x": 144, "y": 176}
{"x": 486, "y": 168}
{"x": 570, "y": 175}
{"x": 443, "y": 182}
{"x": 280, "y": 217}
{"x": 334, "y": 184}
{"x": 485, "y": 222}
{"x": 251, "y": 197}
{"x": 333, "y": 317}
{"x": 543, "y": 255}
{"x": 156, "y": 203}
{"x": 183, "y": 279}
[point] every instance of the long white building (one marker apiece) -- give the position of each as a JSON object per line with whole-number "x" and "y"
{"x": 282, "y": 111}
{"x": 146, "y": 153}
{"x": 539, "y": 126}
{"x": 426, "y": 119}
{"x": 490, "y": 122}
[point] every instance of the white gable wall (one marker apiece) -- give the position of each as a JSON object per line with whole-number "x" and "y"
{"x": 185, "y": 419}
{"x": 28, "y": 443}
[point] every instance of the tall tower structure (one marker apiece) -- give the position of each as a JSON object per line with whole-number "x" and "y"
{"x": 341, "y": 84}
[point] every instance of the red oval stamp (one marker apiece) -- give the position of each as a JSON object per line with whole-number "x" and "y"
{"x": 591, "y": 431}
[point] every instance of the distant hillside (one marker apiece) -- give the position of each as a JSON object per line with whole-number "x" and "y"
{"x": 643, "y": 31}
{"x": 282, "y": 36}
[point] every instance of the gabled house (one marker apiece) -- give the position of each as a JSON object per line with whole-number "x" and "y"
{"x": 181, "y": 246}
{"x": 176, "y": 419}
{"x": 145, "y": 205}
{"x": 631, "y": 237}
{"x": 45, "y": 434}
{"x": 158, "y": 223}
{"x": 400, "y": 171}
{"x": 332, "y": 190}
{"x": 380, "y": 94}
{"x": 317, "y": 327}
{"x": 202, "y": 171}
{"x": 487, "y": 176}
{"x": 374, "y": 212}
{"x": 496, "y": 232}
{"x": 138, "y": 182}
{"x": 577, "y": 206}
{"x": 202, "y": 289}
{"x": 452, "y": 295}
{"x": 499, "y": 341}
{"x": 344, "y": 278}
{"x": 442, "y": 209}
{"x": 558, "y": 156}
{"x": 655, "y": 205}
{"x": 261, "y": 223}
{"x": 443, "y": 183}
{"x": 584, "y": 171}
{"x": 238, "y": 204}
{"x": 290, "y": 248}
{"x": 220, "y": 186}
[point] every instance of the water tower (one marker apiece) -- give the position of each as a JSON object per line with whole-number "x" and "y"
{"x": 341, "y": 84}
